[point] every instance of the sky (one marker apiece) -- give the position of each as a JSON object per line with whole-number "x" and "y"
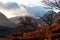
{"x": 25, "y": 2}
{"x": 12, "y": 8}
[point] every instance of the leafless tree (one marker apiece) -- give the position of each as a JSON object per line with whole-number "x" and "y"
{"x": 48, "y": 18}
{"x": 52, "y": 3}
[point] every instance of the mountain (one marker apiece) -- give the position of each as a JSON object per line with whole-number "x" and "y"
{"x": 26, "y": 23}
{"x": 15, "y": 19}
{"x": 6, "y": 26}
{"x": 46, "y": 16}
{"x": 5, "y": 22}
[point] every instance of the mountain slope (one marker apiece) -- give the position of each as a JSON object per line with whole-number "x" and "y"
{"x": 6, "y": 26}
{"x": 5, "y": 22}
{"x": 14, "y": 19}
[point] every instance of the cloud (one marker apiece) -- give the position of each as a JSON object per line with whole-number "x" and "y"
{"x": 13, "y": 10}
{"x": 9, "y": 9}
{"x": 12, "y": 5}
{"x": 35, "y": 10}
{"x": 9, "y": 5}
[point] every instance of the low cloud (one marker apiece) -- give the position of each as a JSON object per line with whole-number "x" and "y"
{"x": 9, "y": 5}
{"x": 36, "y": 10}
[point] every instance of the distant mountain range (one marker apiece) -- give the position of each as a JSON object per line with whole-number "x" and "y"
{"x": 15, "y": 19}
{"x": 55, "y": 16}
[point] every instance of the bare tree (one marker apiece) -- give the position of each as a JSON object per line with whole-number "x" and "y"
{"x": 49, "y": 18}
{"x": 52, "y": 3}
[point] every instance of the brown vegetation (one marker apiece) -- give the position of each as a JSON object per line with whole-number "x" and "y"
{"x": 46, "y": 33}
{"x": 43, "y": 33}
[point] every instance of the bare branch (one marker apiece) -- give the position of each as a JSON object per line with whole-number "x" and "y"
{"x": 54, "y": 3}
